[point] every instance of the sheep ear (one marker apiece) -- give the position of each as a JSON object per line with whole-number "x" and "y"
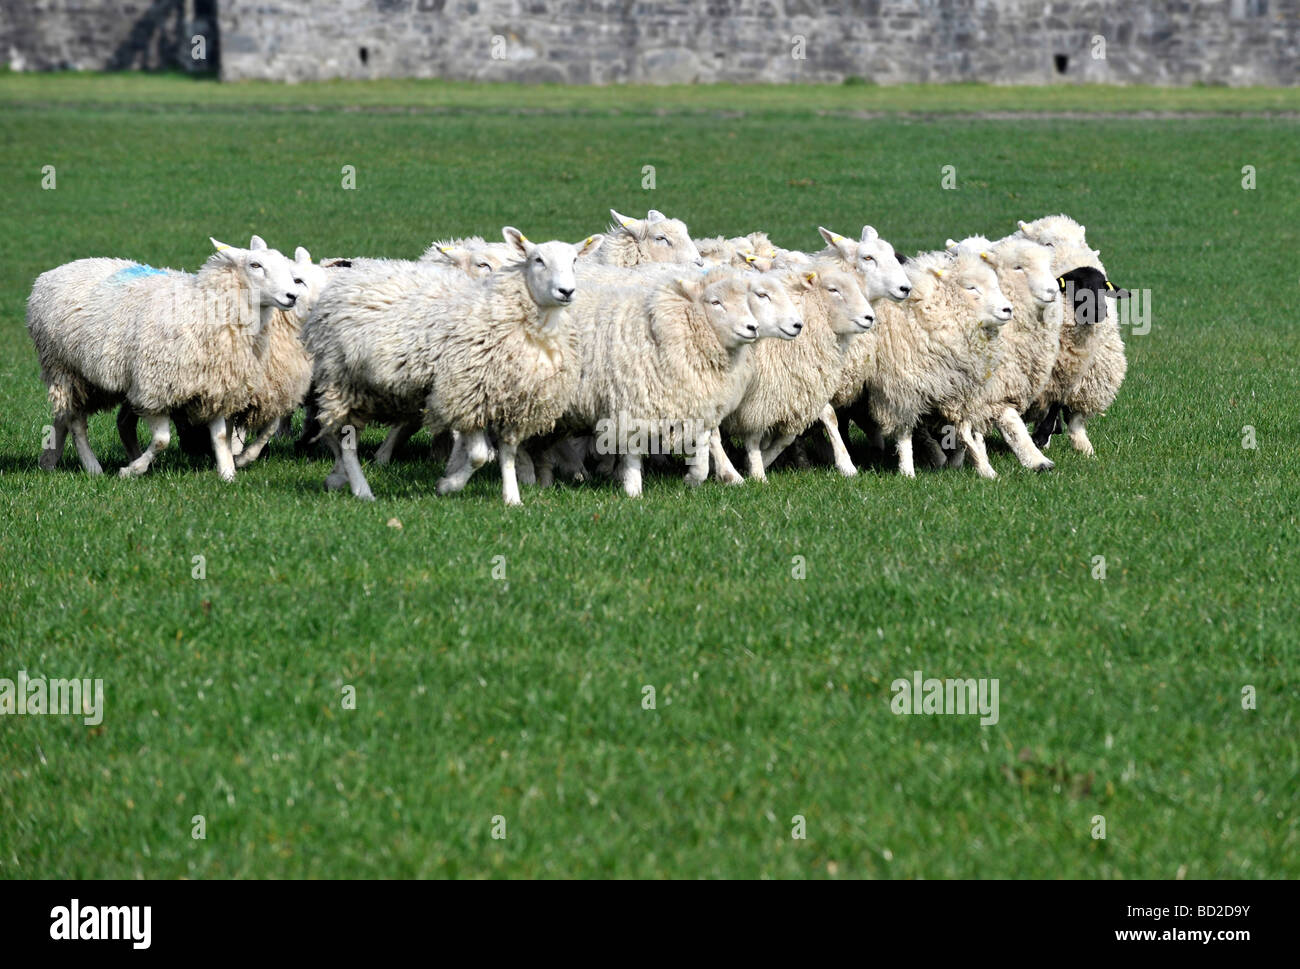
{"x": 1022, "y": 225}
{"x": 1116, "y": 293}
{"x": 692, "y": 289}
{"x": 806, "y": 281}
{"x": 987, "y": 258}
{"x": 938, "y": 273}
{"x": 257, "y": 242}
{"x": 230, "y": 253}
{"x": 869, "y": 234}
{"x": 950, "y": 244}
{"x": 591, "y": 244}
{"x": 629, "y": 225}
{"x": 828, "y": 235}
{"x": 654, "y": 215}
{"x": 516, "y": 240}
{"x": 301, "y": 255}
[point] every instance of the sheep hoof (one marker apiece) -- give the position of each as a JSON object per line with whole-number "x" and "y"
{"x": 446, "y": 486}
{"x": 1044, "y": 465}
{"x": 335, "y": 484}
{"x": 731, "y": 478}
{"x": 849, "y": 471}
{"x": 227, "y": 476}
{"x": 49, "y": 460}
{"x": 363, "y": 495}
{"x": 121, "y": 472}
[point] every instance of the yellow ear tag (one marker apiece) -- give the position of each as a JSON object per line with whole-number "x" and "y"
{"x": 222, "y": 248}
{"x": 1109, "y": 286}
{"x": 587, "y": 241}
{"x": 748, "y": 258}
{"x": 1060, "y": 281}
{"x": 811, "y": 277}
{"x": 938, "y": 272}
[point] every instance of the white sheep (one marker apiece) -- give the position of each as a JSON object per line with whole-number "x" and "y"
{"x": 1091, "y": 365}
{"x": 792, "y": 381}
{"x": 935, "y": 348}
{"x": 656, "y": 238}
{"x": 472, "y": 254}
{"x": 161, "y": 340}
{"x": 1028, "y": 345}
{"x": 468, "y": 355}
{"x": 662, "y": 366}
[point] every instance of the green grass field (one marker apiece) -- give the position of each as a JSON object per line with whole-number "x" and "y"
{"x": 521, "y": 697}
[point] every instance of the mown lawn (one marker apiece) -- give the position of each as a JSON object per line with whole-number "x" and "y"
{"x": 521, "y": 697}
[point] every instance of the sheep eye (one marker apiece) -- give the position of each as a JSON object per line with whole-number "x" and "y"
{"x": 254, "y": 265}
{"x": 484, "y": 265}
{"x": 298, "y": 282}
{"x": 540, "y": 261}
{"x": 973, "y": 289}
{"x": 661, "y": 239}
{"x": 871, "y": 258}
{"x": 716, "y": 302}
{"x": 764, "y": 296}
{"x": 833, "y": 290}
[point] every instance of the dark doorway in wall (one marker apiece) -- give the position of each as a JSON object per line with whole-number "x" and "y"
{"x": 364, "y": 54}
{"x": 1062, "y": 62}
{"x": 206, "y": 23}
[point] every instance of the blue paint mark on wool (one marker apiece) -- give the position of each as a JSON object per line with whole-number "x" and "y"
{"x": 135, "y": 272}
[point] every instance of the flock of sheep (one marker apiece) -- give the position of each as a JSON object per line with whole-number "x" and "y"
{"x": 573, "y": 358}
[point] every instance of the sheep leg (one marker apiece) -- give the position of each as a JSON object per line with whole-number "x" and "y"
{"x": 126, "y": 430}
{"x": 479, "y": 449}
{"x": 831, "y": 423}
{"x": 253, "y": 450}
{"x": 50, "y": 456}
{"x": 630, "y": 466}
{"x": 1047, "y": 426}
{"x": 1017, "y": 436}
{"x": 903, "y": 445}
{"x": 220, "y": 434}
{"x": 460, "y": 466}
{"x": 506, "y": 455}
{"x": 284, "y": 426}
{"x": 754, "y": 457}
{"x": 525, "y": 469}
{"x": 352, "y": 465}
{"x": 337, "y": 477}
{"x": 698, "y": 460}
{"x": 1079, "y": 435}
{"x": 934, "y": 454}
{"x": 722, "y": 466}
{"x": 81, "y": 439}
{"x": 546, "y": 467}
{"x": 159, "y": 437}
{"x": 238, "y": 434}
{"x": 397, "y": 436}
{"x": 571, "y": 455}
{"x": 975, "y": 444}
{"x": 783, "y": 441}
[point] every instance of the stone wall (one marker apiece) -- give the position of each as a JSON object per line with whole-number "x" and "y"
{"x": 100, "y": 35}
{"x": 665, "y": 41}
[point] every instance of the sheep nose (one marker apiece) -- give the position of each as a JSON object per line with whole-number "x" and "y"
{"x": 797, "y": 325}
{"x": 291, "y": 298}
{"x": 700, "y": 262}
{"x": 565, "y": 293}
{"x": 905, "y": 289}
{"x": 751, "y": 328}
